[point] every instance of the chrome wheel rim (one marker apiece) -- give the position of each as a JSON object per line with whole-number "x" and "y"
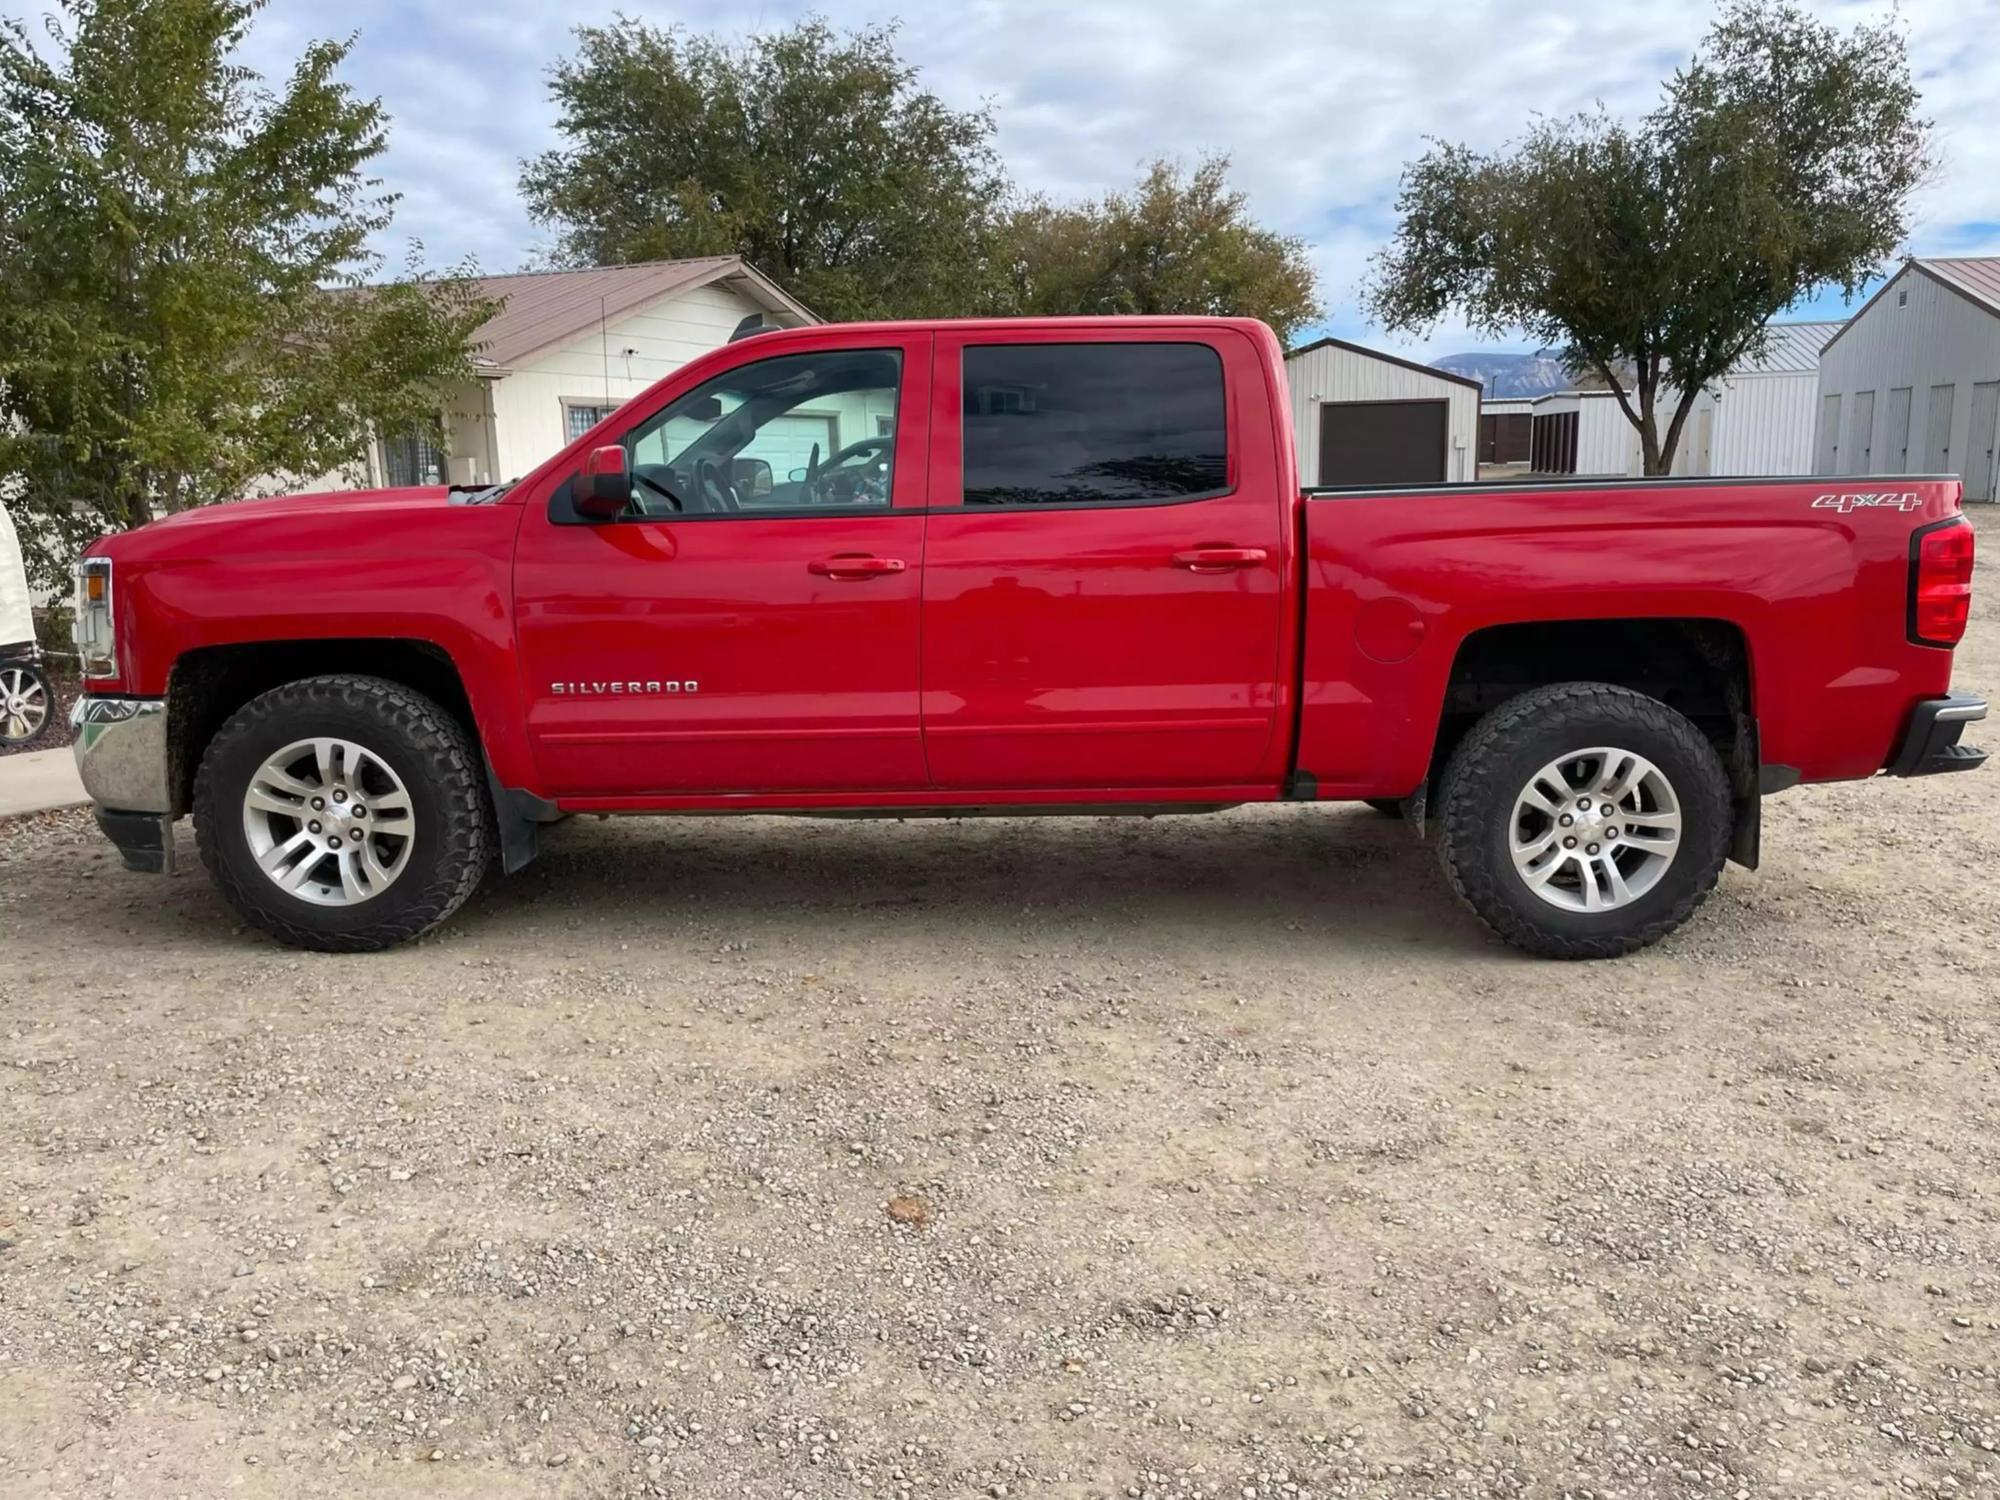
{"x": 329, "y": 822}
{"x": 1595, "y": 830}
{"x": 24, "y": 705}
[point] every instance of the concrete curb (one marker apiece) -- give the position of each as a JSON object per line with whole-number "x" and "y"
{"x": 38, "y": 781}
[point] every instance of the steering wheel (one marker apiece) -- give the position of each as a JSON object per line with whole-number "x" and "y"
{"x": 717, "y": 493}
{"x": 640, "y": 476}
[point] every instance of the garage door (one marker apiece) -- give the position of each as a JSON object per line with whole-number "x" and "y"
{"x": 1382, "y": 442}
{"x": 785, "y": 443}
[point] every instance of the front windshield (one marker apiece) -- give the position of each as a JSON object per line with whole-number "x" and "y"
{"x": 798, "y": 431}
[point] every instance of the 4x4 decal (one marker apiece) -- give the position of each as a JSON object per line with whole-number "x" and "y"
{"x": 1904, "y": 500}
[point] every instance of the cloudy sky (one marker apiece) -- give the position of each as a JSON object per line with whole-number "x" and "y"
{"x": 1319, "y": 104}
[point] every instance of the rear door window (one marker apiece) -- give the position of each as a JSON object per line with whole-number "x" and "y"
{"x": 1093, "y": 424}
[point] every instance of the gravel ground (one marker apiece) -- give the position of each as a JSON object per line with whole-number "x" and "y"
{"x": 1218, "y": 1156}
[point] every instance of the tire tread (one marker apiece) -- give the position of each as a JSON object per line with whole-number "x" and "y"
{"x": 449, "y": 764}
{"x": 1468, "y": 797}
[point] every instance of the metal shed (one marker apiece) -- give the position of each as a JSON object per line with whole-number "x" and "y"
{"x": 1758, "y": 419}
{"x": 1363, "y": 417}
{"x": 1911, "y": 384}
{"x": 1506, "y": 431}
{"x": 1583, "y": 432}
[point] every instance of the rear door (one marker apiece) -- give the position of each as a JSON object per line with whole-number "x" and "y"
{"x": 1104, "y": 560}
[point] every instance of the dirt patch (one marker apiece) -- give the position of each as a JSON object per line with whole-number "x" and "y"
{"x": 1249, "y": 1165}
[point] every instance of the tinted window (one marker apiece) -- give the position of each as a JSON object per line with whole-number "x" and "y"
{"x": 1063, "y": 424}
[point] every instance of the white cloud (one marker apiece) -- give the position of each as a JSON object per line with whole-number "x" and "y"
{"x": 1319, "y": 106}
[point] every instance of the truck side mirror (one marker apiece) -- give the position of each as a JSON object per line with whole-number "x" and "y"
{"x": 604, "y": 489}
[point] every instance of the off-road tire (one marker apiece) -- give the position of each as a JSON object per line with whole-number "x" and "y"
{"x": 429, "y": 749}
{"x": 1494, "y": 762}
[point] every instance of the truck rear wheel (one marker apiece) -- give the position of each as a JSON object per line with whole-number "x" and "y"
{"x": 1584, "y": 820}
{"x": 343, "y": 814}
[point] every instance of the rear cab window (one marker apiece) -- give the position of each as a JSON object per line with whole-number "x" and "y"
{"x": 1054, "y": 424}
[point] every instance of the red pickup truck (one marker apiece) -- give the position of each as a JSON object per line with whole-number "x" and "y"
{"x": 1051, "y": 566}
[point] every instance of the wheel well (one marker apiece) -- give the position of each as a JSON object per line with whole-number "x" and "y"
{"x": 210, "y": 684}
{"x": 1699, "y": 667}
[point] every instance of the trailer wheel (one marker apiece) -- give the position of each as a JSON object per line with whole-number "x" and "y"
{"x": 1584, "y": 820}
{"x": 26, "y": 704}
{"x": 344, "y": 814}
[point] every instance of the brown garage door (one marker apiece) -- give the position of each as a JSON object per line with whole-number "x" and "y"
{"x": 1505, "y": 437}
{"x": 1382, "y": 442}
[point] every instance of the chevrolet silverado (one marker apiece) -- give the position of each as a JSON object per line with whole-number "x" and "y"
{"x": 1042, "y": 566}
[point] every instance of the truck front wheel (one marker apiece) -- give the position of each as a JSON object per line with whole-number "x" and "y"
{"x": 344, "y": 814}
{"x": 1584, "y": 820}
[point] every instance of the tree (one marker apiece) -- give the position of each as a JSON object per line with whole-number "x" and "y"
{"x": 180, "y": 249}
{"x": 1779, "y": 162}
{"x": 1176, "y": 244}
{"x": 814, "y": 156}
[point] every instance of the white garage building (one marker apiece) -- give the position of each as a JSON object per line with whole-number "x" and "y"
{"x": 1757, "y": 419}
{"x": 1363, "y": 417}
{"x": 1911, "y": 385}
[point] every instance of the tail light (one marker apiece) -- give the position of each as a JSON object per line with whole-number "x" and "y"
{"x": 93, "y": 630}
{"x": 1940, "y": 582}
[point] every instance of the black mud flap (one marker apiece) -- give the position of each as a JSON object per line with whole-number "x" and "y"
{"x": 145, "y": 841}
{"x": 519, "y": 816}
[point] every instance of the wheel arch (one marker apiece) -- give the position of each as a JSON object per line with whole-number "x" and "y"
{"x": 209, "y": 683}
{"x": 1700, "y": 666}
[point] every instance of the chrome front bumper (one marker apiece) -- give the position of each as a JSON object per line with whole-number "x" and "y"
{"x": 121, "y": 753}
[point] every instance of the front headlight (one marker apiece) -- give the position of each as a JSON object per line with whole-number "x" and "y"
{"x": 94, "y": 640}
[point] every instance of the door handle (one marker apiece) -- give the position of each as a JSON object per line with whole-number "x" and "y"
{"x": 1219, "y": 559}
{"x": 852, "y": 566}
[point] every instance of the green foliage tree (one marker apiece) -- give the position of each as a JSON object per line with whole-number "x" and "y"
{"x": 1177, "y": 243}
{"x": 813, "y": 155}
{"x": 179, "y": 252}
{"x": 1779, "y": 162}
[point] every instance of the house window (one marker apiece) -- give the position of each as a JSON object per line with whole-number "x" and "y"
{"x": 411, "y": 459}
{"x": 579, "y": 418}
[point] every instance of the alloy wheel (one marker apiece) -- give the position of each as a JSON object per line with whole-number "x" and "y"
{"x": 1595, "y": 829}
{"x": 329, "y": 822}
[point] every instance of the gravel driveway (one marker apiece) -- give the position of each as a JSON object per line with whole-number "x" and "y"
{"x": 1210, "y": 1156}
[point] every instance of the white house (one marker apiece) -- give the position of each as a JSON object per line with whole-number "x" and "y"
{"x": 1911, "y": 384}
{"x": 1363, "y": 417}
{"x": 565, "y": 349}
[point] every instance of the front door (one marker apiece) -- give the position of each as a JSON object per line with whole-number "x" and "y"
{"x": 1104, "y": 564}
{"x": 750, "y": 624}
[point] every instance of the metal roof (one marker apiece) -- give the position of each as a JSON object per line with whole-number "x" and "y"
{"x": 1790, "y": 349}
{"x": 1974, "y": 277}
{"x": 541, "y": 308}
{"x": 1388, "y": 359}
{"x": 1978, "y": 276}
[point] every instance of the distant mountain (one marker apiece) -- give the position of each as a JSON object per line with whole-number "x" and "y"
{"x": 1505, "y": 375}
